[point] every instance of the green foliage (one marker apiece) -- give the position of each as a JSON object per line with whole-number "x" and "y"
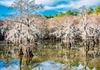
{"x": 90, "y": 10}
{"x": 49, "y": 16}
{"x": 97, "y": 9}
{"x": 69, "y": 12}
{"x": 76, "y": 12}
{"x": 59, "y": 15}
{"x": 61, "y": 60}
{"x": 72, "y": 12}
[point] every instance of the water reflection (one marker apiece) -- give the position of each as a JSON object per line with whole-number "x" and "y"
{"x": 46, "y": 65}
{"x": 10, "y": 65}
{"x": 68, "y": 59}
{"x": 59, "y": 66}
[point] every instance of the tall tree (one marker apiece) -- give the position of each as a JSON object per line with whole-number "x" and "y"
{"x": 23, "y": 28}
{"x": 26, "y": 6}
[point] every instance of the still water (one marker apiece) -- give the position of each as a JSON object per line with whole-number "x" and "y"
{"x": 50, "y": 57}
{"x": 45, "y": 65}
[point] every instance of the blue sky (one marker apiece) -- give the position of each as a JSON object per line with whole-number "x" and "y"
{"x": 50, "y": 6}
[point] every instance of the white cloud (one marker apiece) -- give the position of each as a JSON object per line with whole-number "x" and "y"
{"x": 48, "y": 3}
{"x": 72, "y": 4}
{"x": 45, "y": 2}
{"x": 6, "y": 2}
{"x": 86, "y": 3}
{"x": 56, "y": 7}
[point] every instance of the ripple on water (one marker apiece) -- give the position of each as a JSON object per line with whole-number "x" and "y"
{"x": 2, "y": 63}
{"x": 14, "y": 62}
{"x": 12, "y": 65}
